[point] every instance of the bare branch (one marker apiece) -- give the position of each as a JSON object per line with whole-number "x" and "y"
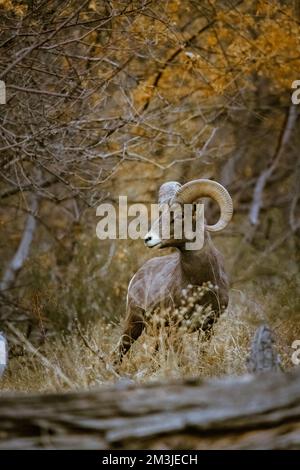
{"x": 21, "y": 254}
{"x": 265, "y": 175}
{"x": 32, "y": 350}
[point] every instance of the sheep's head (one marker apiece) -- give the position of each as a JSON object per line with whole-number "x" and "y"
{"x": 173, "y": 197}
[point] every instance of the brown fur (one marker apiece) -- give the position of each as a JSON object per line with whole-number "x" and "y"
{"x": 159, "y": 282}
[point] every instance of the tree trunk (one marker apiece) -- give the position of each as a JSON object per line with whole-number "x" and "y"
{"x": 22, "y": 252}
{"x": 250, "y": 412}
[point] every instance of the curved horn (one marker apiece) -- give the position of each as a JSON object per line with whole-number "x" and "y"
{"x": 193, "y": 190}
{"x": 167, "y": 191}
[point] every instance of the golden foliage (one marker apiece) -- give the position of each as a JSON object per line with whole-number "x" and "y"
{"x": 18, "y": 8}
{"x": 240, "y": 43}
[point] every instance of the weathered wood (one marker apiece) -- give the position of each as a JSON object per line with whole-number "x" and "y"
{"x": 250, "y": 412}
{"x": 263, "y": 355}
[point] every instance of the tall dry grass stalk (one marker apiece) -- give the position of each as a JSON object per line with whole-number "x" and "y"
{"x": 86, "y": 358}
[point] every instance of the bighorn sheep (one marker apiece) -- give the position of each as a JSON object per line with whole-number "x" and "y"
{"x": 161, "y": 280}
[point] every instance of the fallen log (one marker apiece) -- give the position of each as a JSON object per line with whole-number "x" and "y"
{"x": 259, "y": 411}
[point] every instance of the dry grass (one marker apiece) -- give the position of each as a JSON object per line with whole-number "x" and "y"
{"x": 265, "y": 291}
{"x": 86, "y": 359}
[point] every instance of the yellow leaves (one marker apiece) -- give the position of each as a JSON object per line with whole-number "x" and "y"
{"x": 6, "y": 4}
{"x": 242, "y": 42}
{"x": 174, "y": 6}
{"x": 93, "y": 5}
{"x": 275, "y": 38}
{"x": 92, "y": 38}
{"x": 143, "y": 92}
{"x": 249, "y": 21}
{"x": 65, "y": 63}
{"x": 240, "y": 49}
{"x": 224, "y": 34}
{"x": 20, "y": 10}
{"x": 267, "y": 45}
{"x": 85, "y": 83}
{"x": 114, "y": 146}
{"x": 238, "y": 45}
{"x": 211, "y": 40}
{"x": 279, "y": 45}
{"x": 17, "y": 9}
{"x": 138, "y": 131}
{"x": 222, "y": 16}
{"x": 220, "y": 84}
{"x": 264, "y": 7}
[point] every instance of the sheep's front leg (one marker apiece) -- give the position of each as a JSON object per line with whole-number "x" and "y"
{"x": 134, "y": 326}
